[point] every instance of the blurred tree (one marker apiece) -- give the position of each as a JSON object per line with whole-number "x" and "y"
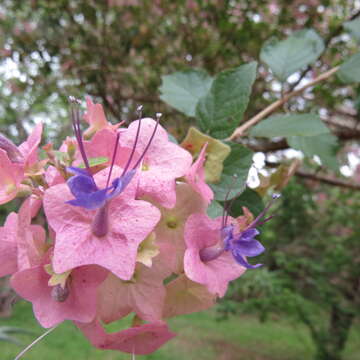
{"x": 117, "y": 51}
{"x": 312, "y": 265}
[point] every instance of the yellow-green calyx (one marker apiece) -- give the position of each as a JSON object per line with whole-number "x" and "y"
{"x": 172, "y": 222}
{"x": 144, "y": 167}
{"x": 57, "y": 279}
{"x": 147, "y": 250}
{"x": 216, "y": 152}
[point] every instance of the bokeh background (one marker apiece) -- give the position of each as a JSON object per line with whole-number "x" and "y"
{"x": 304, "y": 303}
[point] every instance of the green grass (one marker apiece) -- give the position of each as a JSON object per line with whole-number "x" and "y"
{"x": 200, "y": 337}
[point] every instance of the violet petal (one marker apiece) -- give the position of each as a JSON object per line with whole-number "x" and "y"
{"x": 248, "y": 248}
{"x": 90, "y": 201}
{"x": 120, "y": 183}
{"x": 80, "y": 185}
{"x": 241, "y": 260}
{"x": 248, "y": 234}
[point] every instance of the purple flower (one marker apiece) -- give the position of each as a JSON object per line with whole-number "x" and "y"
{"x": 244, "y": 244}
{"x": 82, "y": 184}
{"x": 87, "y": 194}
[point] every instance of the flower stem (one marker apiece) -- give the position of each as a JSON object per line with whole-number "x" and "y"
{"x": 35, "y": 342}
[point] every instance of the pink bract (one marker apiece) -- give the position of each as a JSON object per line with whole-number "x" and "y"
{"x": 130, "y": 221}
{"x": 163, "y": 163}
{"x": 80, "y": 305}
{"x": 30, "y": 238}
{"x": 102, "y": 144}
{"x": 138, "y": 340}
{"x": 11, "y": 175}
{"x": 53, "y": 176}
{"x": 170, "y": 230}
{"x": 95, "y": 117}
{"x": 144, "y": 294}
{"x": 184, "y": 296}
{"x": 202, "y": 232}
{"x": 8, "y": 246}
{"x": 29, "y": 148}
{"x": 196, "y": 177}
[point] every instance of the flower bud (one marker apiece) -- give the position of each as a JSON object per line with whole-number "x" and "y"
{"x": 11, "y": 149}
{"x": 60, "y": 294}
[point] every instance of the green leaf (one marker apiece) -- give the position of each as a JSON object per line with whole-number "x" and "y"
{"x": 290, "y": 125}
{"x": 250, "y": 199}
{"x": 288, "y": 56}
{"x": 215, "y": 209}
{"x": 220, "y": 111}
{"x": 349, "y": 71}
{"x": 95, "y": 161}
{"x": 353, "y": 27}
{"x": 237, "y": 163}
{"x": 304, "y": 132}
{"x": 324, "y": 146}
{"x": 182, "y": 90}
{"x": 216, "y": 152}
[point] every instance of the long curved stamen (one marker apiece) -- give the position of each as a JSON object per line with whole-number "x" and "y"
{"x": 255, "y": 222}
{"x": 81, "y": 144}
{"x": 74, "y": 123}
{"x": 75, "y": 118}
{"x": 158, "y": 116}
{"x": 225, "y": 213}
{"x": 139, "y": 111}
{"x": 268, "y": 218}
{"x": 113, "y": 158}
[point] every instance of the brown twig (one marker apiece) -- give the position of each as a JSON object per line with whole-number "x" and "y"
{"x": 328, "y": 180}
{"x": 240, "y": 131}
{"x": 331, "y": 180}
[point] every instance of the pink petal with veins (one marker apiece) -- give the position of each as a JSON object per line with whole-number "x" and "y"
{"x": 29, "y": 148}
{"x": 202, "y": 232}
{"x": 8, "y": 247}
{"x": 139, "y": 340}
{"x": 170, "y": 230}
{"x": 184, "y": 296}
{"x": 145, "y": 295}
{"x": 80, "y": 305}
{"x": 130, "y": 221}
{"x": 196, "y": 177}
{"x": 163, "y": 162}
{"x": 95, "y": 117}
{"x": 11, "y": 175}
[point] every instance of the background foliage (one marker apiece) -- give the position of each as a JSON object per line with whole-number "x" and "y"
{"x": 217, "y": 64}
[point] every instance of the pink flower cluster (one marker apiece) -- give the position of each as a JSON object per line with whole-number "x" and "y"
{"x": 97, "y": 240}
